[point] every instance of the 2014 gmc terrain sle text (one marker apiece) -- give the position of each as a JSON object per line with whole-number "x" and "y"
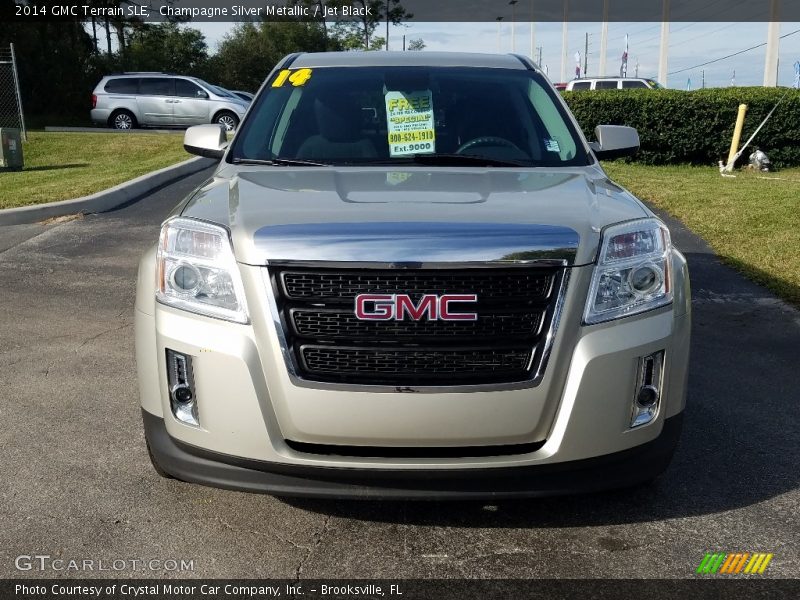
{"x": 409, "y": 277}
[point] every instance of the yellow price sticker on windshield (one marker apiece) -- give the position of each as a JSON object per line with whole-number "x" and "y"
{"x": 296, "y": 78}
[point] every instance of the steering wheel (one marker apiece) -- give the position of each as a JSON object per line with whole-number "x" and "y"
{"x": 489, "y": 140}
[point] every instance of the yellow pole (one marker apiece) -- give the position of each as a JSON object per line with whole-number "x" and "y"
{"x": 737, "y": 136}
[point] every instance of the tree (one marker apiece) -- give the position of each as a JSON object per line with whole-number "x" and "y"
{"x": 416, "y": 44}
{"x": 55, "y": 64}
{"x": 358, "y": 34}
{"x": 247, "y": 55}
{"x": 166, "y": 47}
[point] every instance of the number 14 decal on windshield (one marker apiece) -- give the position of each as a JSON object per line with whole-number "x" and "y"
{"x": 296, "y": 78}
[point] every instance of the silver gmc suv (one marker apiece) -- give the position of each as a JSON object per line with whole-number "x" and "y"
{"x": 135, "y": 100}
{"x": 410, "y": 277}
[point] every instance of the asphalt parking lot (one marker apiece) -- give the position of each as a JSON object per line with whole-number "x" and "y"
{"x": 77, "y": 482}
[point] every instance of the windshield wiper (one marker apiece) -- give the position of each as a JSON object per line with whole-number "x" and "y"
{"x": 279, "y": 162}
{"x": 464, "y": 159}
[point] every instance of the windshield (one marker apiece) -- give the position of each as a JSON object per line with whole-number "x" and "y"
{"x": 221, "y": 92}
{"x": 397, "y": 115}
{"x": 216, "y": 89}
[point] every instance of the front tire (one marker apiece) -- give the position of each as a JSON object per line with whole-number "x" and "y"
{"x": 227, "y": 119}
{"x": 122, "y": 120}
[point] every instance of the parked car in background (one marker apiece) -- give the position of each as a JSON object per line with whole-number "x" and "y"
{"x": 131, "y": 100}
{"x": 611, "y": 83}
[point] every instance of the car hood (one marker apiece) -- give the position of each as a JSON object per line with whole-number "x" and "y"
{"x": 414, "y": 215}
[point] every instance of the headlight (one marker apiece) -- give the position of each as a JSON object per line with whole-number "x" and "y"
{"x": 196, "y": 270}
{"x": 632, "y": 273}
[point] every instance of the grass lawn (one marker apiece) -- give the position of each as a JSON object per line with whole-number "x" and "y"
{"x": 752, "y": 223}
{"x": 62, "y": 166}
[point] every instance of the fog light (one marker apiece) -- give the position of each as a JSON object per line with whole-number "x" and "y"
{"x": 648, "y": 389}
{"x": 648, "y": 396}
{"x": 181, "y": 387}
{"x": 182, "y": 394}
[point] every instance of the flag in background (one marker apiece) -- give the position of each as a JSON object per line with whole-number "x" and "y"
{"x": 623, "y": 69}
{"x": 797, "y": 75}
{"x": 689, "y": 85}
{"x": 578, "y": 65}
{"x": 733, "y": 78}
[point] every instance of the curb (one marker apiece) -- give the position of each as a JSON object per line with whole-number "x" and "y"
{"x": 106, "y": 199}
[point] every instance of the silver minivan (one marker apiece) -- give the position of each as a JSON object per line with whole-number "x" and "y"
{"x": 133, "y": 100}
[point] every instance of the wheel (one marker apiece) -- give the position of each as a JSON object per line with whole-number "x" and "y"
{"x": 122, "y": 119}
{"x": 227, "y": 119}
{"x": 156, "y": 466}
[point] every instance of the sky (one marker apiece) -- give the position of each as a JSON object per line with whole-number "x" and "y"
{"x": 689, "y": 44}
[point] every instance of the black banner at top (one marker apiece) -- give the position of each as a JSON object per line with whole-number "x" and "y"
{"x": 421, "y": 10}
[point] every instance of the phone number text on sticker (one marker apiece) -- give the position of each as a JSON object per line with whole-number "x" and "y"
{"x": 411, "y": 136}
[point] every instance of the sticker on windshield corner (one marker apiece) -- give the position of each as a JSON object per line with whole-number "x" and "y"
{"x": 297, "y": 77}
{"x": 552, "y": 146}
{"x": 409, "y": 119}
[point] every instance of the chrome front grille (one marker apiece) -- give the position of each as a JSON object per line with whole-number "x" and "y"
{"x": 327, "y": 343}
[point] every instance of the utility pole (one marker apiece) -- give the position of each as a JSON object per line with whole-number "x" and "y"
{"x": 513, "y": 4}
{"x": 773, "y": 44}
{"x": 662, "y": 59}
{"x": 539, "y": 62}
{"x": 604, "y": 40}
{"x": 703, "y": 84}
{"x": 636, "y": 68}
{"x": 564, "y": 42}
{"x": 533, "y": 32}
{"x": 404, "y": 42}
{"x": 586, "y": 56}
{"x": 498, "y": 19}
{"x": 387, "y": 25}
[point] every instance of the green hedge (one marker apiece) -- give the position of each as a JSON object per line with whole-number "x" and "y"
{"x": 695, "y": 127}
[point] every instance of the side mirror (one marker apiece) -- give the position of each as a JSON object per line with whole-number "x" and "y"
{"x": 206, "y": 140}
{"x": 614, "y": 141}
{"x": 202, "y": 94}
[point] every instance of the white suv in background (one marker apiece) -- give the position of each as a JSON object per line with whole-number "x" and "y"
{"x": 133, "y": 100}
{"x": 611, "y": 83}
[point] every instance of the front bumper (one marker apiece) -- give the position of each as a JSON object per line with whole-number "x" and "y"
{"x": 620, "y": 469}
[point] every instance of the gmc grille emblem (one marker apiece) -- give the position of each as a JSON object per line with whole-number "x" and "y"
{"x": 387, "y": 307}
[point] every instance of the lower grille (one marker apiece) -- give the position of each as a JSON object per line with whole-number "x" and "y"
{"x": 417, "y": 364}
{"x": 327, "y": 343}
{"x": 415, "y": 451}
